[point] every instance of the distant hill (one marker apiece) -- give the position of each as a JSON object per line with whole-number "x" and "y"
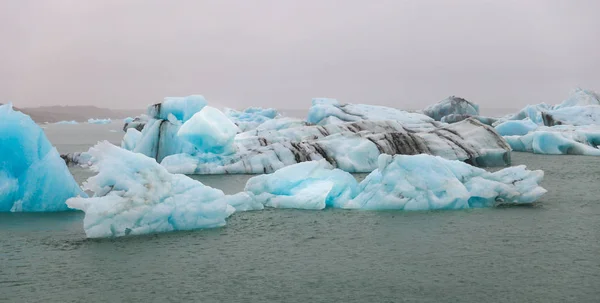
{"x": 53, "y": 114}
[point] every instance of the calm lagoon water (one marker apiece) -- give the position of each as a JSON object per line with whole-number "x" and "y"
{"x": 549, "y": 252}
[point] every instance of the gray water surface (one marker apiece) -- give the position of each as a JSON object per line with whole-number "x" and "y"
{"x": 549, "y": 252}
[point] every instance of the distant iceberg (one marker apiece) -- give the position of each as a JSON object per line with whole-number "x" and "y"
{"x": 451, "y": 106}
{"x": 99, "y": 121}
{"x": 559, "y": 140}
{"x": 67, "y": 122}
{"x": 418, "y": 182}
{"x": 134, "y": 195}
{"x": 33, "y": 177}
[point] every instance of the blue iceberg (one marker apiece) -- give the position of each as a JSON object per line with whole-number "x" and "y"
{"x": 99, "y": 121}
{"x": 251, "y": 117}
{"x": 417, "y": 182}
{"x": 451, "y": 106}
{"x": 134, "y": 195}
{"x": 33, "y": 177}
{"x": 559, "y": 140}
{"x": 516, "y": 127}
{"x": 209, "y": 131}
{"x": 67, "y": 122}
{"x": 128, "y": 120}
{"x": 182, "y": 108}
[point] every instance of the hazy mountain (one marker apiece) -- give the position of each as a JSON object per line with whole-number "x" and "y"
{"x": 78, "y": 113}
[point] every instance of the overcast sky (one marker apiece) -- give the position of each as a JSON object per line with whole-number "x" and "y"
{"x": 281, "y": 53}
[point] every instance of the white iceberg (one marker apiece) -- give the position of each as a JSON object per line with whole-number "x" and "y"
{"x": 135, "y": 195}
{"x": 72, "y": 122}
{"x": 451, "y": 106}
{"x": 251, "y": 117}
{"x": 559, "y": 140}
{"x": 33, "y": 177}
{"x": 99, "y": 121}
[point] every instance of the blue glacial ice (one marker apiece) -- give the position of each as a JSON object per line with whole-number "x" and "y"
{"x": 210, "y": 131}
{"x": 33, "y": 177}
{"x": 516, "y": 127}
{"x": 128, "y": 120}
{"x": 67, "y": 122}
{"x": 559, "y": 140}
{"x": 329, "y": 111}
{"x": 99, "y": 121}
{"x": 306, "y": 185}
{"x": 401, "y": 182}
{"x": 352, "y": 147}
{"x": 134, "y": 195}
{"x": 182, "y": 108}
{"x": 251, "y": 117}
{"x": 451, "y": 106}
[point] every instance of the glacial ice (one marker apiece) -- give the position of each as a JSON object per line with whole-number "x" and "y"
{"x": 352, "y": 147}
{"x": 559, "y": 140}
{"x": 425, "y": 182}
{"x": 99, "y": 121}
{"x": 182, "y": 108}
{"x": 33, "y": 177}
{"x": 580, "y": 97}
{"x": 453, "y": 118}
{"x": 323, "y": 109}
{"x": 128, "y": 120}
{"x": 135, "y": 195}
{"x": 573, "y": 115}
{"x": 401, "y": 182}
{"x": 516, "y": 127}
{"x": 138, "y": 123}
{"x": 306, "y": 185}
{"x": 451, "y": 106}
{"x": 251, "y": 117}
{"x": 67, "y": 122}
{"x": 210, "y": 131}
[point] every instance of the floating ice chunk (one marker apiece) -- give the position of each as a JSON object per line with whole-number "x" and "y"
{"x": 580, "y": 97}
{"x": 210, "y": 131}
{"x": 243, "y": 201}
{"x": 451, "y": 106}
{"x": 322, "y": 109}
{"x": 33, "y": 177}
{"x": 516, "y": 127}
{"x": 559, "y": 140}
{"x": 573, "y": 115}
{"x": 99, "y": 121}
{"x": 424, "y": 182}
{"x": 182, "y": 108}
{"x": 307, "y": 185}
{"x": 67, "y": 122}
{"x": 251, "y": 117}
{"x": 135, "y": 195}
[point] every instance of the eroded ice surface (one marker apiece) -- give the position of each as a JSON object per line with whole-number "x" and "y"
{"x": 559, "y": 140}
{"x": 135, "y": 195}
{"x": 210, "y": 131}
{"x": 33, "y": 177}
{"x": 182, "y": 108}
{"x": 451, "y": 106}
{"x": 251, "y": 117}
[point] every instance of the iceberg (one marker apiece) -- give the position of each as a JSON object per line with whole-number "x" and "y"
{"x": 251, "y": 117}
{"x": 182, "y": 108}
{"x": 453, "y": 118}
{"x": 352, "y": 147}
{"x": 128, "y": 120}
{"x": 329, "y": 111}
{"x": 138, "y": 123}
{"x": 559, "y": 140}
{"x": 67, "y": 122}
{"x": 574, "y": 115}
{"x": 580, "y": 97}
{"x": 99, "y": 121}
{"x": 424, "y": 182}
{"x": 134, "y": 195}
{"x": 451, "y": 106}
{"x": 33, "y": 177}
{"x": 307, "y": 185}
{"x": 516, "y": 127}
{"x": 210, "y": 131}
{"x": 401, "y": 182}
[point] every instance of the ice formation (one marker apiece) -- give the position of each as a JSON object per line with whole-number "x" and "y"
{"x": 135, "y": 195}
{"x": 516, "y": 127}
{"x": 453, "y": 118}
{"x": 182, "y": 108}
{"x": 329, "y": 111}
{"x": 559, "y": 140}
{"x": 138, "y": 123}
{"x": 33, "y": 177}
{"x": 307, "y": 185}
{"x": 67, "y": 122}
{"x": 210, "y": 131}
{"x": 99, "y": 121}
{"x": 574, "y": 115}
{"x": 352, "y": 147}
{"x": 451, "y": 106}
{"x": 417, "y": 182}
{"x": 424, "y": 182}
{"x": 251, "y": 117}
{"x": 128, "y": 120}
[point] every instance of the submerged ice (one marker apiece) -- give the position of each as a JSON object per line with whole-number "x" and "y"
{"x": 33, "y": 177}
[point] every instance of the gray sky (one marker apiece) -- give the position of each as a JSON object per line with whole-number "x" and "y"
{"x": 281, "y": 53}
